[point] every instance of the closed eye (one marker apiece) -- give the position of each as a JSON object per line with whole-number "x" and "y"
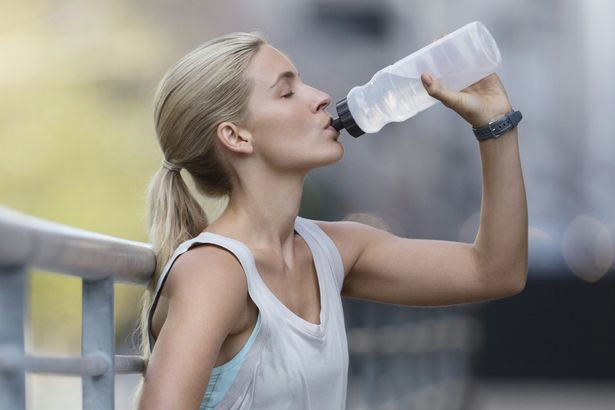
{"x": 288, "y": 95}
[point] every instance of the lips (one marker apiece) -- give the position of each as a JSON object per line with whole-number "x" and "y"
{"x": 328, "y": 123}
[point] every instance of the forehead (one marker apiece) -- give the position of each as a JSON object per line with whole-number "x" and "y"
{"x": 265, "y": 66}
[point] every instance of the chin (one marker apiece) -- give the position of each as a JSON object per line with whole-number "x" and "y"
{"x": 334, "y": 155}
{"x": 341, "y": 151}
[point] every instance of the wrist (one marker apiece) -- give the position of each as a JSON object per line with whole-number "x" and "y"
{"x": 490, "y": 116}
{"x": 498, "y": 126}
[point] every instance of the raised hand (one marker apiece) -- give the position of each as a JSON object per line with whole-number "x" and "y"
{"x": 478, "y": 104}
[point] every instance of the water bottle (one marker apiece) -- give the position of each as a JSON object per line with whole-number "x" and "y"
{"x": 396, "y": 92}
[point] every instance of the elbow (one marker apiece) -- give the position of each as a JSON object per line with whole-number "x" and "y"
{"x": 507, "y": 282}
{"x": 518, "y": 279}
{"x": 518, "y": 287}
{"x": 506, "y": 278}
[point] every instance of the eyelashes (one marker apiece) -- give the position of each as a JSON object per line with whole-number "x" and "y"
{"x": 288, "y": 95}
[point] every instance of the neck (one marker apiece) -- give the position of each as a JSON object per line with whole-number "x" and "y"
{"x": 262, "y": 214}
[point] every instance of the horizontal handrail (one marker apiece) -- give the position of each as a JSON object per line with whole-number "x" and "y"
{"x": 95, "y": 364}
{"x": 11, "y": 359}
{"x": 30, "y": 241}
{"x": 125, "y": 364}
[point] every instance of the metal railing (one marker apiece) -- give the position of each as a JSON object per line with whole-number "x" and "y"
{"x": 100, "y": 260}
{"x": 428, "y": 356}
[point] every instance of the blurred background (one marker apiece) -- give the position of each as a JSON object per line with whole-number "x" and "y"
{"x": 77, "y": 80}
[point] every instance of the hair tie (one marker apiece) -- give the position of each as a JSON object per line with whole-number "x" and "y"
{"x": 170, "y": 166}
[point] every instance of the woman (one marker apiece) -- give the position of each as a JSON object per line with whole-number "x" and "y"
{"x": 246, "y": 312}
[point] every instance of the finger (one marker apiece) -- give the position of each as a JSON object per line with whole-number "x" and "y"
{"x": 434, "y": 88}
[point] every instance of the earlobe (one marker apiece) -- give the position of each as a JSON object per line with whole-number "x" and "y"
{"x": 234, "y": 139}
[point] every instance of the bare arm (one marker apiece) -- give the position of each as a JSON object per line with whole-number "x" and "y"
{"x": 501, "y": 242}
{"x": 208, "y": 291}
{"x": 383, "y": 267}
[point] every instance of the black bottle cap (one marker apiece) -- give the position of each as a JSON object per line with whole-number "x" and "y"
{"x": 346, "y": 120}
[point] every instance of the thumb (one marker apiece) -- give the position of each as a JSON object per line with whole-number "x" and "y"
{"x": 434, "y": 88}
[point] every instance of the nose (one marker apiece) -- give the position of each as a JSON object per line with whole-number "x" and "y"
{"x": 323, "y": 101}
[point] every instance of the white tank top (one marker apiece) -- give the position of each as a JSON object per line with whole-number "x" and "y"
{"x": 291, "y": 363}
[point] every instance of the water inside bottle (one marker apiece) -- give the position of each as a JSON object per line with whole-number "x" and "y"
{"x": 397, "y": 97}
{"x": 406, "y": 98}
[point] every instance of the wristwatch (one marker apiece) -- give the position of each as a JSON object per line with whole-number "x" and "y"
{"x": 498, "y": 127}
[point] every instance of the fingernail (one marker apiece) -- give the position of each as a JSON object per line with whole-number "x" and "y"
{"x": 427, "y": 79}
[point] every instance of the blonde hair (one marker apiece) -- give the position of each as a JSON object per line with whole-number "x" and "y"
{"x": 203, "y": 89}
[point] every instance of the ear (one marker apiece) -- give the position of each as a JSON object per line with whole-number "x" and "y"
{"x": 234, "y": 139}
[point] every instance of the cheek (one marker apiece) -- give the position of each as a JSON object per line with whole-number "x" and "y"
{"x": 284, "y": 127}
{"x": 283, "y": 131}
{"x": 276, "y": 140}
{"x": 272, "y": 118}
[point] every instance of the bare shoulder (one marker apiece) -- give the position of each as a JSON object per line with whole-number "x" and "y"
{"x": 207, "y": 299}
{"x": 350, "y": 238}
{"x": 206, "y": 263}
{"x": 208, "y": 277}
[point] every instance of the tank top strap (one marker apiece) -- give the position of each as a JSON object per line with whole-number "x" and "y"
{"x": 239, "y": 251}
{"x": 307, "y": 228}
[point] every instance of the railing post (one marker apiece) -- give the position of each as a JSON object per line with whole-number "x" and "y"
{"x": 12, "y": 306}
{"x": 98, "y": 335}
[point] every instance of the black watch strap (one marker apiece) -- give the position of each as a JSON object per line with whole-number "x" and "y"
{"x": 498, "y": 127}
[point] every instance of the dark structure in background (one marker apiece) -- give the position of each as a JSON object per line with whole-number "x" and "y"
{"x": 353, "y": 18}
{"x": 558, "y": 328}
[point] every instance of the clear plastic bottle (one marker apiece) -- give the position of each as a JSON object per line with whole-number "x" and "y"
{"x": 396, "y": 92}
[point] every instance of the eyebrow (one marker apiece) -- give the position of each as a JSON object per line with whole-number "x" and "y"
{"x": 286, "y": 75}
